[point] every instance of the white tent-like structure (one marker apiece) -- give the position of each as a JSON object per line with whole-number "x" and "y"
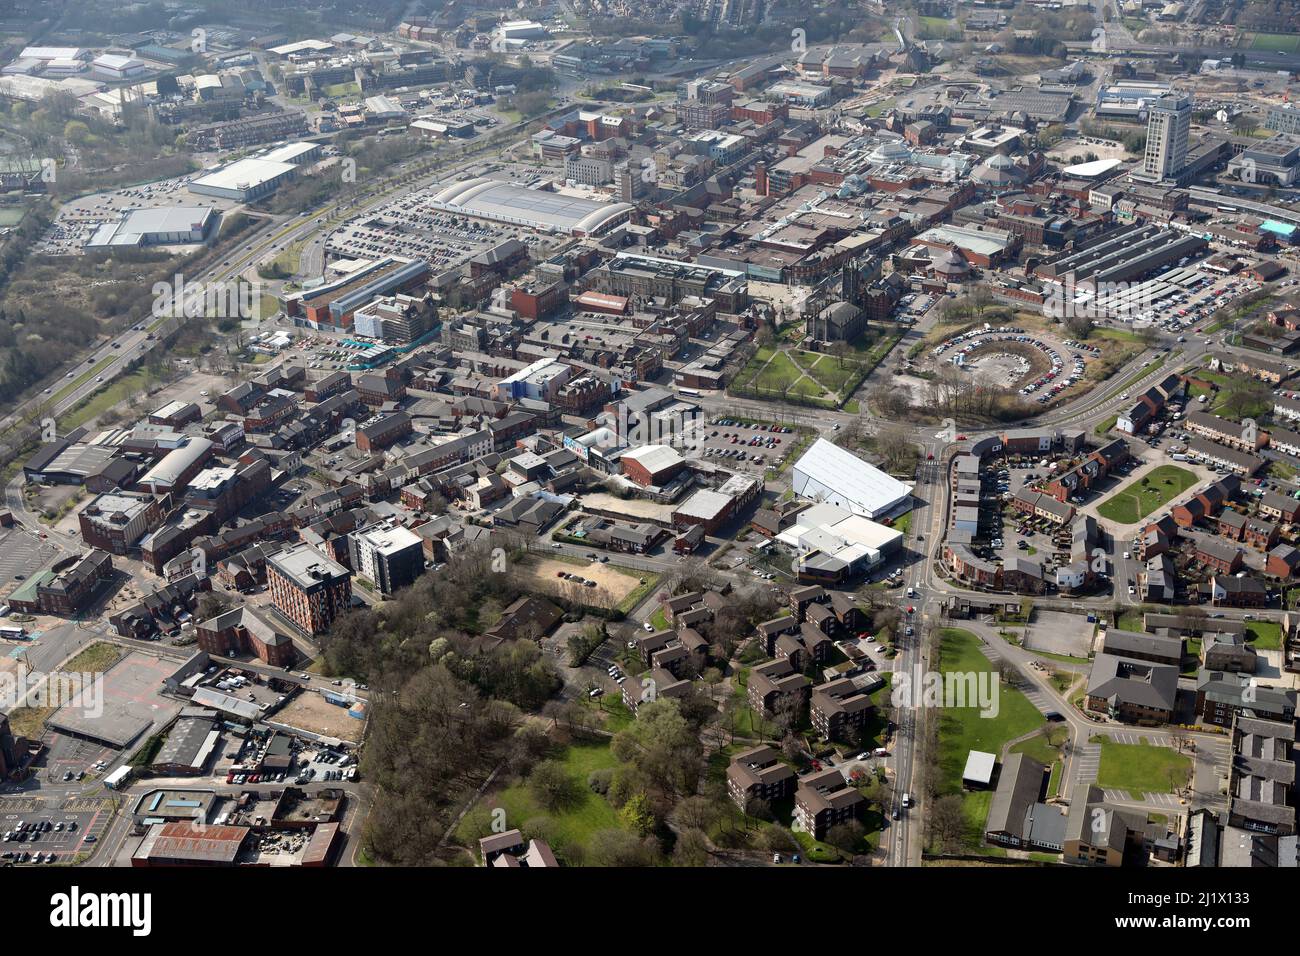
{"x": 827, "y": 472}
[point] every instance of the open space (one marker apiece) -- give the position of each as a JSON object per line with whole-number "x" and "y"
{"x": 1140, "y": 768}
{"x": 1139, "y": 498}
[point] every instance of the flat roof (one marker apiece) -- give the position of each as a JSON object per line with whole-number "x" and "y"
{"x": 979, "y": 766}
{"x": 244, "y": 174}
{"x": 507, "y": 202}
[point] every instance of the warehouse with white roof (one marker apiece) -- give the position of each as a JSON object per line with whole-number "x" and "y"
{"x": 248, "y": 179}
{"x": 155, "y": 227}
{"x": 829, "y": 473}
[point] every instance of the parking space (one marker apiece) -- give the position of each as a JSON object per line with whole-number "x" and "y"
{"x": 22, "y": 554}
{"x": 1087, "y": 762}
{"x": 410, "y": 227}
{"x": 1059, "y": 632}
{"x": 80, "y": 217}
{"x": 44, "y": 834}
{"x": 745, "y": 446}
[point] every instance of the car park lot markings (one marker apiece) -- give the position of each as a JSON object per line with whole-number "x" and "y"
{"x": 1088, "y": 762}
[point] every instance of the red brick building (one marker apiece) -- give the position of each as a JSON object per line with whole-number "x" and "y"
{"x": 240, "y": 632}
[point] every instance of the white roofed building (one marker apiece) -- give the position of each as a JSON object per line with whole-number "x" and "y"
{"x": 829, "y": 473}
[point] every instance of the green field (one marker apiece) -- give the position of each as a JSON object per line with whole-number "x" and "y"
{"x": 1138, "y": 499}
{"x": 11, "y": 216}
{"x": 1141, "y": 768}
{"x": 963, "y": 729}
{"x": 1266, "y": 635}
{"x": 571, "y": 826}
{"x": 1277, "y": 42}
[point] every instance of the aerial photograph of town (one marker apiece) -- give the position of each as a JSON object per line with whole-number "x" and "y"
{"x": 813, "y": 435}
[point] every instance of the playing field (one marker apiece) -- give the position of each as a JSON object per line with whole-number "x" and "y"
{"x": 1138, "y": 499}
{"x": 1278, "y": 42}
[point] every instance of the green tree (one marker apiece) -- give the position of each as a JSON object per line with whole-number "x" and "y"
{"x": 637, "y": 815}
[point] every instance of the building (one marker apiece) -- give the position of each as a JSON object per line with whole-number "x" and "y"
{"x": 309, "y": 589}
{"x": 1169, "y": 121}
{"x": 510, "y": 850}
{"x": 332, "y": 306}
{"x": 1143, "y": 647}
{"x": 828, "y": 473}
{"x": 776, "y": 685}
{"x": 839, "y": 710}
{"x": 652, "y": 466}
{"x": 245, "y": 180}
{"x": 824, "y": 800}
{"x": 116, "y": 522}
{"x": 759, "y": 774}
{"x": 240, "y": 632}
{"x": 1017, "y": 816}
{"x": 389, "y": 557}
{"x": 1132, "y": 690}
{"x": 551, "y": 212}
{"x": 65, "y": 588}
{"x": 978, "y": 772}
{"x": 1220, "y": 697}
{"x": 171, "y": 225}
{"x": 1097, "y": 834}
{"x": 1262, "y": 776}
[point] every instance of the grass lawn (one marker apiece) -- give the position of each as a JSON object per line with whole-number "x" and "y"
{"x": 1139, "y": 498}
{"x": 118, "y": 392}
{"x": 1277, "y": 42}
{"x": 572, "y": 826}
{"x": 660, "y": 620}
{"x": 1105, "y": 425}
{"x": 95, "y": 659}
{"x": 1267, "y": 635}
{"x": 903, "y": 523}
{"x": 780, "y": 372}
{"x": 1140, "y": 768}
{"x": 962, "y": 729}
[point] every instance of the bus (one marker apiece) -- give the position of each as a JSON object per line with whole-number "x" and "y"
{"x": 117, "y": 777}
{"x": 13, "y": 632}
{"x": 693, "y": 392}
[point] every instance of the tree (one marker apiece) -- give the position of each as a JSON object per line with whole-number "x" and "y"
{"x": 211, "y": 605}
{"x": 1245, "y": 397}
{"x": 692, "y": 848}
{"x": 551, "y": 786}
{"x": 846, "y": 836}
{"x": 948, "y": 823}
{"x": 619, "y": 848}
{"x": 637, "y": 815}
{"x": 895, "y": 445}
{"x": 778, "y": 839}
